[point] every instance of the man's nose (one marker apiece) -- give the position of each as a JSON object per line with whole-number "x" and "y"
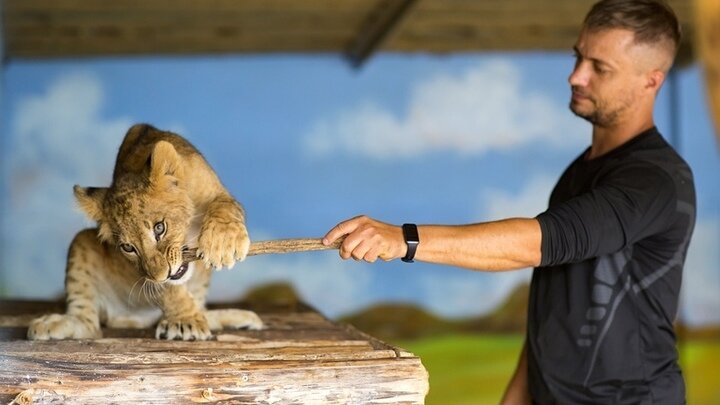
{"x": 579, "y": 76}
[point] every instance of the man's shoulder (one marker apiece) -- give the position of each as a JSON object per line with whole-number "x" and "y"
{"x": 653, "y": 154}
{"x": 655, "y": 149}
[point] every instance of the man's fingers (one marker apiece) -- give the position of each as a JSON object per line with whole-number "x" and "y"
{"x": 362, "y": 250}
{"x": 363, "y": 244}
{"x": 349, "y": 245}
{"x": 366, "y": 239}
{"x": 343, "y": 228}
{"x": 372, "y": 254}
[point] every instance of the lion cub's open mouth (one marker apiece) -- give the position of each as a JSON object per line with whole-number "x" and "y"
{"x": 180, "y": 272}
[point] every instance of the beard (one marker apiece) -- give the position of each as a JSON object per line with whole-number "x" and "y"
{"x": 599, "y": 113}
{"x": 595, "y": 116}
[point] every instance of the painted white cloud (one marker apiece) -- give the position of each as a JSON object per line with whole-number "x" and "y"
{"x": 459, "y": 295}
{"x": 483, "y": 109}
{"x": 456, "y": 295}
{"x": 63, "y": 129}
{"x": 59, "y": 139}
{"x": 530, "y": 201}
{"x": 322, "y": 280}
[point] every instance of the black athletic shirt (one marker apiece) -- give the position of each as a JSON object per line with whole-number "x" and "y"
{"x": 603, "y": 301}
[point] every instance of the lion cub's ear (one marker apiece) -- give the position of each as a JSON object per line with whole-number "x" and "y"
{"x": 165, "y": 164}
{"x": 90, "y": 200}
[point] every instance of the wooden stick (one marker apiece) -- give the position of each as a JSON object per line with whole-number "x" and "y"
{"x": 277, "y": 246}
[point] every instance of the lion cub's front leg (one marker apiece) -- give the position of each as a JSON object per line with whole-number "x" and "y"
{"x": 223, "y": 236}
{"x": 81, "y": 320}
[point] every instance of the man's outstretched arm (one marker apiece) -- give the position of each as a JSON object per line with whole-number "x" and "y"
{"x": 490, "y": 246}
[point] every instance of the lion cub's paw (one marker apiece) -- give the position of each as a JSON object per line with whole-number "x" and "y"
{"x": 233, "y": 319}
{"x": 194, "y": 327}
{"x": 222, "y": 243}
{"x": 62, "y": 326}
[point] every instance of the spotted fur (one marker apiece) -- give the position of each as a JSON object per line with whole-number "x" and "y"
{"x": 128, "y": 272}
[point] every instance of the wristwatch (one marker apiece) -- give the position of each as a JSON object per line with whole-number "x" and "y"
{"x": 410, "y": 233}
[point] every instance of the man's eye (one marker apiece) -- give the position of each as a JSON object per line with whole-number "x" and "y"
{"x": 127, "y": 248}
{"x": 576, "y": 55}
{"x": 159, "y": 229}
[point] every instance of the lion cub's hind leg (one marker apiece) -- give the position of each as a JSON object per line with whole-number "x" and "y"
{"x": 81, "y": 320}
{"x": 219, "y": 319}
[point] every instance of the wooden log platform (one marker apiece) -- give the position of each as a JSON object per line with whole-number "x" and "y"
{"x": 299, "y": 358}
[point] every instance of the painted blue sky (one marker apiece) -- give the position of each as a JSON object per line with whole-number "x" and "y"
{"x": 305, "y": 141}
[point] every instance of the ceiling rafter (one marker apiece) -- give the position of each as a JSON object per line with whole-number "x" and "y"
{"x": 385, "y": 18}
{"x": 357, "y": 29}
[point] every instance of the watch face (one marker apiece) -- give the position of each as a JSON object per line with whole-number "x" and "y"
{"x": 410, "y": 233}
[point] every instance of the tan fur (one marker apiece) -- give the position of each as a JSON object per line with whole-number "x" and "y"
{"x": 128, "y": 272}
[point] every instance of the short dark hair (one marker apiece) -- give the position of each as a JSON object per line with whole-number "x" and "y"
{"x": 652, "y": 21}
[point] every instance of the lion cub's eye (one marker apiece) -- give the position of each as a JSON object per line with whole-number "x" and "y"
{"x": 159, "y": 230}
{"x": 127, "y": 248}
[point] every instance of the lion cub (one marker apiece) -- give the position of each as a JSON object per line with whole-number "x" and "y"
{"x": 129, "y": 271}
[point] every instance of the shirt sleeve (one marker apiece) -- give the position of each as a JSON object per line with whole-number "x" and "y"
{"x": 626, "y": 205}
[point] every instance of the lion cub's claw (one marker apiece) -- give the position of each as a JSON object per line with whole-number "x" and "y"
{"x": 221, "y": 244}
{"x": 183, "y": 328}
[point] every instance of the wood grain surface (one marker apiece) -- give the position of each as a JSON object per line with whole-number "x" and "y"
{"x": 299, "y": 358}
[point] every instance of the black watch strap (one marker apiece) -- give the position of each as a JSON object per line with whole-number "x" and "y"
{"x": 410, "y": 233}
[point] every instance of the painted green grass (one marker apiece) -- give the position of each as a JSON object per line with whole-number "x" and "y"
{"x": 475, "y": 369}
{"x": 700, "y": 361}
{"x": 467, "y": 369}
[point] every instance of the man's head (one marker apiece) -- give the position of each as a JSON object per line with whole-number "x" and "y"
{"x": 625, "y": 49}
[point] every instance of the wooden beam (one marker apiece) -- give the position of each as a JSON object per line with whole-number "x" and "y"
{"x": 76, "y": 28}
{"x": 355, "y": 28}
{"x": 379, "y": 24}
{"x": 707, "y": 15}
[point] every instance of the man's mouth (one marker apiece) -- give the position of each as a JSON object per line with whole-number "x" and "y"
{"x": 578, "y": 96}
{"x": 180, "y": 272}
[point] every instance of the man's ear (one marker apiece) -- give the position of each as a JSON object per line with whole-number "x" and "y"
{"x": 655, "y": 80}
{"x": 90, "y": 200}
{"x": 165, "y": 164}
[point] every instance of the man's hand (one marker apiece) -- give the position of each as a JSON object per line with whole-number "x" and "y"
{"x": 368, "y": 239}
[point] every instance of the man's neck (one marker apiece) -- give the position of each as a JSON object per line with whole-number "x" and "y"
{"x": 605, "y": 139}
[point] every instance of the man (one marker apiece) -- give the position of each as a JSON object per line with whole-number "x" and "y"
{"x": 609, "y": 251}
